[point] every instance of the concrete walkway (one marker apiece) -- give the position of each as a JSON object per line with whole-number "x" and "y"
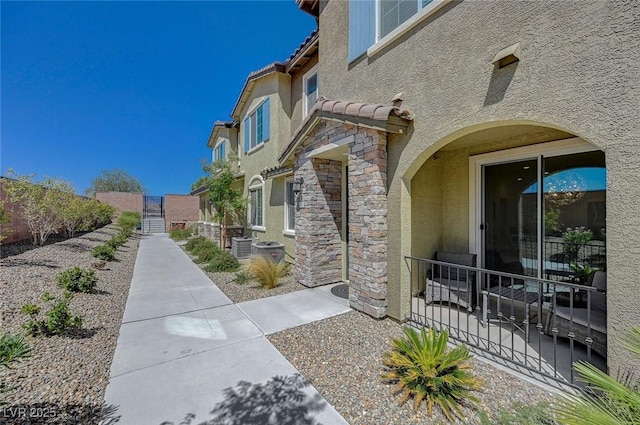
{"x": 183, "y": 343}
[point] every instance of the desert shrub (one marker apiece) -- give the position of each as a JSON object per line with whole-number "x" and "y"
{"x": 117, "y": 241}
{"x": 12, "y": 349}
{"x": 126, "y": 233}
{"x": 180, "y": 234}
{"x": 129, "y": 219}
{"x": 77, "y": 279}
{"x": 421, "y": 368}
{"x": 55, "y": 321}
{"x": 242, "y": 277}
{"x": 223, "y": 262}
{"x": 206, "y": 245}
{"x": 104, "y": 252}
{"x": 206, "y": 255}
{"x": 266, "y": 271}
{"x": 104, "y": 213}
{"x": 194, "y": 243}
{"x": 521, "y": 414}
{"x": 286, "y": 269}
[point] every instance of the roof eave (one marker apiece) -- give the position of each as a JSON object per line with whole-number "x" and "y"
{"x": 312, "y": 7}
{"x": 245, "y": 93}
{"x": 304, "y": 54}
{"x": 392, "y": 124}
{"x": 199, "y": 191}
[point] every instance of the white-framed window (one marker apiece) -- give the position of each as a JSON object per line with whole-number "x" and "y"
{"x": 256, "y": 203}
{"x": 309, "y": 90}
{"x": 220, "y": 151}
{"x": 256, "y": 126}
{"x": 534, "y": 194}
{"x": 372, "y": 21}
{"x": 289, "y": 207}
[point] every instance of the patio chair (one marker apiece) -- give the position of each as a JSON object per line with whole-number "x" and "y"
{"x": 448, "y": 283}
{"x": 566, "y": 319}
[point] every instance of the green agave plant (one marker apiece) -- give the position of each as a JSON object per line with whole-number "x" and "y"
{"x": 423, "y": 369}
{"x": 607, "y": 401}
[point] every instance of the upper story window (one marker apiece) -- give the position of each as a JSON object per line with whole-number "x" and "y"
{"x": 309, "y": 91}
{"x": 256, "y": 126}
{"x": 220, "y": 151}
{"x": 370, "y": 21}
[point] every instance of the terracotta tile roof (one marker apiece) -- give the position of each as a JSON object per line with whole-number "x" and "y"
{"x": 266, "y": 70}
{"x": 268, "y": 172}
{"x": 312, "y": 7}
{"x": 337, "y": 108}
{"x": 227, "y": 124}
{"x": 308, "y": 42}
{"x": 294, "y": 58}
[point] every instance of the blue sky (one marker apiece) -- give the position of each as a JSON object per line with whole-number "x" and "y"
{"x": 88, "y": 86}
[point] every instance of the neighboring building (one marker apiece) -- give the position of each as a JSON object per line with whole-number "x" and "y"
{"x": 445, "y": 117}
{"x": 272, "y": 103}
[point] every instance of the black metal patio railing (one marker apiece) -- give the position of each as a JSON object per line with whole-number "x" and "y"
{"x": 536, "y": 326}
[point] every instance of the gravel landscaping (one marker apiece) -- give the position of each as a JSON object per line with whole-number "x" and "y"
{"x": 342, "y": 358}
{"x": 64, "y": 380}
{"x": 252, "y": 289}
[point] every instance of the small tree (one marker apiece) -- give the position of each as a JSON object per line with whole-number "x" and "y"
{"x": 115, "y": 180}
{"x": 40, "y": 203}
{"x": 5, "y": 218}
{"x": 74, "y": 211}
{"x": 228, "y": 202}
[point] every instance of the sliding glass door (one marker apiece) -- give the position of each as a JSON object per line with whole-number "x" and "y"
{"x": 545, "y": 216}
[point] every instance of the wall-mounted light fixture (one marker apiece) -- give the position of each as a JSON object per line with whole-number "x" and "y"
{"x": 507, "y": 56}
{"x": 297, "y": 185}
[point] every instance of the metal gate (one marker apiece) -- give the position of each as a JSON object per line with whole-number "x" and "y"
{"x": 153, "y": 207}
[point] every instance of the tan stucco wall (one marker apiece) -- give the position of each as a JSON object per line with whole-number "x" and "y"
{"x": 577, "y": 72}
{"x": 296, "y": 92}
{"x": 277, "y": 87}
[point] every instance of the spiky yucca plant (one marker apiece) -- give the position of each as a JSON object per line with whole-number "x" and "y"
{"x": 266, "y": 271}
{"x": 607, "y": 401}
{"x": 422, "y": 368}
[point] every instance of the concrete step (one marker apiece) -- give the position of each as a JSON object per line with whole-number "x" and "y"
{"x": 153, "y": 225}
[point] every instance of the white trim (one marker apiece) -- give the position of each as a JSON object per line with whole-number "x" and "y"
{"x": 287, "y": 231}
{"x": 220, "y": 141}
{"x": 248, "y": 114}
{"x": 407, "y": 25}
{"x": 256, "y": 182}
{"x": 254, "y": 149}
{"x": 476, "y": 162}
{"x": 330, "y": 146}
{"x": 305, "y": 78}
{"x": 257, "y": 105}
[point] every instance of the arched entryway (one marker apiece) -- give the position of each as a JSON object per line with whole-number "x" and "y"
{"x": 525, "y": 205}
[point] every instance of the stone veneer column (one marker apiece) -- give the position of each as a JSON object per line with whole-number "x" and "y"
{"x": 319, "y": 222}
{"x": 368, "y": 223}
{"x": 319, "y": 211}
